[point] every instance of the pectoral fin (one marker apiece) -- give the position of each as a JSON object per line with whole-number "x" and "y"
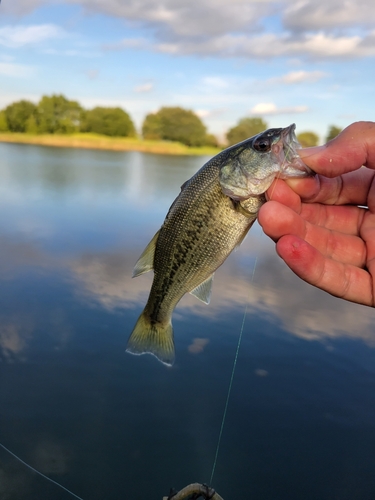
{"x": 203, "y": 291}
{"x": 242, "y": 210}
{"x": 146, "y": 261}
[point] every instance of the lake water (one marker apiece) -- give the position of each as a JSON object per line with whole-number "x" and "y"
{"x": 107, "y": 425}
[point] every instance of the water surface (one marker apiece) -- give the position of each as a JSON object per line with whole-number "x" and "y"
{"x": 108, "y": 425}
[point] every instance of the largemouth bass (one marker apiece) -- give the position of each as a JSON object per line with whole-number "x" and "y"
{"x": 209, "y": 218}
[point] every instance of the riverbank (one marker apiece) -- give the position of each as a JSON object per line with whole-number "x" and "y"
{"x": 94, "y": 141}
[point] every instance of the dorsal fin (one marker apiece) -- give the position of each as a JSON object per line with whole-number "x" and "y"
{"x": 145, "y": 263}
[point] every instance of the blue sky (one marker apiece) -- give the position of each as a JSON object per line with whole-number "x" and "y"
{"x": 308, "y": 62}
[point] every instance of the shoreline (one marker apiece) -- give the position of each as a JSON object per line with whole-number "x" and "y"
{"x": 92, "y": 141}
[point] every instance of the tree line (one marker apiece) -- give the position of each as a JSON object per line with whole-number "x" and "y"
{"x": 247, "y": 127}
{"x": 56, "y": 114}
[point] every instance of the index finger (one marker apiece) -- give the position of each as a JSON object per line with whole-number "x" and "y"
{"x": 352, "y": 148}
{"x": 351, "y": 188}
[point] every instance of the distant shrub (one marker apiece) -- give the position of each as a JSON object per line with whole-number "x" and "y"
{"x": 17, "y": 114}
{"x": 211, "y": 140}
{"x": 108, "y": 121}
{"x": 333, "y": 132}
{"x": 31, "y": 125}
{"x": 308, "y": 139}
{"x": 57, "y": 115}
{"x": 3, "y": 122}
{"x": 175, "y": 124}
{"x": 245, "y": 128}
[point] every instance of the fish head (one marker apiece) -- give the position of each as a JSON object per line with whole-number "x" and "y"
{"x": 250, "y": 166}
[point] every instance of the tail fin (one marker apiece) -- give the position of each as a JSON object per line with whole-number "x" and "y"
{"x": 155, "y": 339}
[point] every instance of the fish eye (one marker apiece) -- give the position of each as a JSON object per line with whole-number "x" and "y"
{"x": 263, "y": 145}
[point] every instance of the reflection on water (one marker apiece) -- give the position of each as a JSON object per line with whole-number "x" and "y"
{"x": 75, "y": 406}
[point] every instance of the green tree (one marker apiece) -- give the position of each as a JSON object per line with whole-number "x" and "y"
{"x": 333, "y": 132}
{"x": 308, "y": 139}
{"x": 108, "y": 121}
{"x": 245, "y": 128}
{"x": 31, "y": 125}
{"x": 17, "y": 114}
{"x": 211, "y": 140}
{"x": 57, "y": 115}
{"x": 152, "y": 127}
{"x": 175, "y": 124}
{"x": 3, "y": 122}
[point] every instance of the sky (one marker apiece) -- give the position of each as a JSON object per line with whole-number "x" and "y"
{"x": 311, "y": 62}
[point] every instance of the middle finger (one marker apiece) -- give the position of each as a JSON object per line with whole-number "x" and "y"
{"x": 278, "y": 220}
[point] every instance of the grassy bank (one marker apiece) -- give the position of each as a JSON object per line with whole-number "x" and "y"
{"x": 94, "y": 141}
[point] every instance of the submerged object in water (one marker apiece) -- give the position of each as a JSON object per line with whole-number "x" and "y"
{"x": 194, "y": 490}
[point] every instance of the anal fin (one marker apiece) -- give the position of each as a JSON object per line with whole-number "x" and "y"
{"x": 203, "y": 290}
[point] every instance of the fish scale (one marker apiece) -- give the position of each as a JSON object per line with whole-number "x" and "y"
{"x": 201, "y": 229}
{"x": 193, "y": 227}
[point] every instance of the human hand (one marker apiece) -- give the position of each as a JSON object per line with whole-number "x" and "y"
{"x": 324, "y": 226}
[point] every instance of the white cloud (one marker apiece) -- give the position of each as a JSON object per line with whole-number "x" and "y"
{"x": 145, "y": 87}
{"x": 203, "y": 113}
{"x": 308, "y": 28}
{"x": 311, "y": 46}
{"x": 92, "y": 74}
{"x": 217, "y": 17}
{"x": 16, "y": 70}
{"x": 316, "y": 29}
{"x": 215, "y": 82}
{"x": 20, "y": 7}
{"x": 298, "y": 77}
{"x": 318, "y": 46}
{"x": 269, "y": 108}
{"x": 328, "y": 15}
{"x": 90, "y": 54}
{"x": 209, "y": 113}
{"x": 182, "y": 19}
{"x": 172, "y": 21}
{"x": 19, "y": 36}
{"x": 128, "y": 43}
{"x": 330, "y": 46}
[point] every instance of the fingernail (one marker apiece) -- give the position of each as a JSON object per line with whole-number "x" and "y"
{"x": 294, "y": 183}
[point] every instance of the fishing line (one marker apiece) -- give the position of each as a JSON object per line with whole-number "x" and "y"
{"x": 40, "y": 473}
{"x": 231, "y": 378}
{"x": 239, "y": 340}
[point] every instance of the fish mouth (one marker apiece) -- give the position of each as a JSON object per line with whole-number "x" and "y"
{"x": 286, "y": 152}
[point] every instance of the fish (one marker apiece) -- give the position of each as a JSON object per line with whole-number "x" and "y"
{"x": 209, "y": 218}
